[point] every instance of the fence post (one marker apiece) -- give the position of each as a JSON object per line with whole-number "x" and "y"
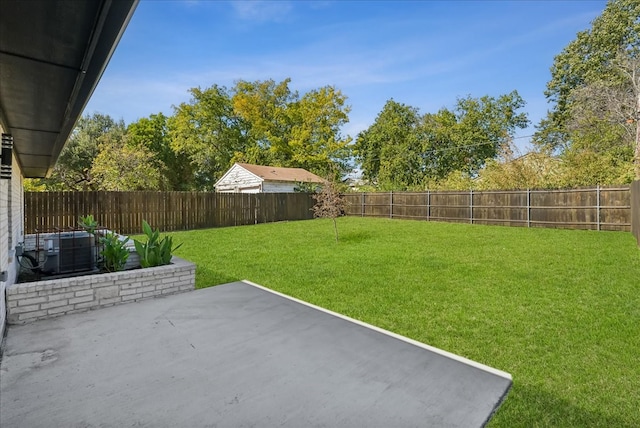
{"x": 255, "y": 209}
{"x": 528, "y": 207}
{"x": 635, "y": 210}
{"x": 428, "y": 204}
{"x": 598, "y": 205}
{"x": 391, "y": 204}
{"x": 362, "y": 207}
{"x": 471, "y": 205}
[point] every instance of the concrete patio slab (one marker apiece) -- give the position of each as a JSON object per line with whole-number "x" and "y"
{"x": 234, "y": 355}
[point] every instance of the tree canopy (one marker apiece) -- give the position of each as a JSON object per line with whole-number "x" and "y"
{"x": 595, "y": 95}
{"x": 262, "y": 122}
{"x": 406, "y": 150}
{"x": 73, "y": 169}
{"x": 125, "y": 167}
{"x": 151, "y": 135}
{"x": 286, "y": 129}
{"x": 209, "y": 133}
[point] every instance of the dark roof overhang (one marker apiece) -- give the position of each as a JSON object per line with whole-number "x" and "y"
{"x": 52, "y": 55}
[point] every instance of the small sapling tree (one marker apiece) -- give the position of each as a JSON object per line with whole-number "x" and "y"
{"x": 329, "y": 204}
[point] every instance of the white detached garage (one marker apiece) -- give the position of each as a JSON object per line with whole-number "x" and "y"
{"x": 248, "y": 178}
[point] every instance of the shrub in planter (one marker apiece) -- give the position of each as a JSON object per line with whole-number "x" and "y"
{"x": 114, "y": 252}
{"x": 156, "y": 251}
{"x": 88, "y": 223}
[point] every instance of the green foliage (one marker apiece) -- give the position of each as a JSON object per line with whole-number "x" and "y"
{"x": 590, "y": 57}
{"x": 587, "y": 167}
{"x": 261, "y": 122}
{"x": 34, "y": 185}
{"x": 485, "y": 126}
{"x": 88, "y": 223}
{"x": 114, "y": 252}
{"x": 99, "y": 156}
{"x": 155, "y": 251}
{"x": 122, "y": 167}
{"x": 302, "y": 187}
{"x": 152, "y": 134}
{"x": 284, "y": 129}
{"x": 455, "y": 180}
{"x": 403, "y": 150}
{"x": 208, "y": 132}
{"x": 264, "y": 123}
{"x": 390, "y": 149}
{"x": 595, "y": 92}
{"x": 264, "y": 106}
{"x": 576, "y": 168}
{"x": 73, "y": 169}
{"x": 531, "y": 171}
{"x": 316, "y": 142}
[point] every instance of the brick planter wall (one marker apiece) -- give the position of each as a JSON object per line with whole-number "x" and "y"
{"x": 34, "y": 301}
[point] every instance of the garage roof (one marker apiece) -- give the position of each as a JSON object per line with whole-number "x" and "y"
{"x": 275, "y": 173}
{"x": 52, "y": 55}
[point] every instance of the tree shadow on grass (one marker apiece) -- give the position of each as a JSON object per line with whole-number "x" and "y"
{"x": 208, "y": 277}
{"x": 530, "y": 406}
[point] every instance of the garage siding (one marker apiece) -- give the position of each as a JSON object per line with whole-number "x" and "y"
{"x": 239, "y": 180}
{"x": 278, "y": 187}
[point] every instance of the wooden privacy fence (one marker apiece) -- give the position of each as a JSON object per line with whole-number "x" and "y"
{"x": 124, "y": 211}
{"x": 635, "y": 210}
{"x": 606, "y": 208}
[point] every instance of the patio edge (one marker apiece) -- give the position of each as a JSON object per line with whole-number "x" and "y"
{"x": 439, "y": 351}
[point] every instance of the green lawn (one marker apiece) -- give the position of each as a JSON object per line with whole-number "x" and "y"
{"x": 558, "y": 309}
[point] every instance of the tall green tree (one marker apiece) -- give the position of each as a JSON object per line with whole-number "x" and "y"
{"x": 152, "y": 133}
{"x": 403, "y": 150}
{"x": 316, "y": 141}
{"x": 209, "y": 133}
{"x": 602, "y": 61}
{"x": 485, "y": 126}
{"x": 124, "y": 167}
{"x": 601, "y": 149}
{"x": 261, "y": 122}
{"x": 73, "y": 169}
{"x": 286, "y": 129}
{"x": 264, "y": 106}
{"x": 390, "y": 150}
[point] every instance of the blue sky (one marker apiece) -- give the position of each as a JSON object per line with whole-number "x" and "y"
{"x": 421, "y": 53}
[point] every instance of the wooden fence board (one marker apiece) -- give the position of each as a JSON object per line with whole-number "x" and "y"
{"x": 635, "y": 210}
{"x": 606, "y": 208}
{"x": 168, "y": 211}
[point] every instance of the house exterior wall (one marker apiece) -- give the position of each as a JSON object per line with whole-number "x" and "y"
{"x": 4, "y": 244}
{"x": 278, "y": 187}
{"x": 239, "y": 180}
{"x": 11, "y": 232}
